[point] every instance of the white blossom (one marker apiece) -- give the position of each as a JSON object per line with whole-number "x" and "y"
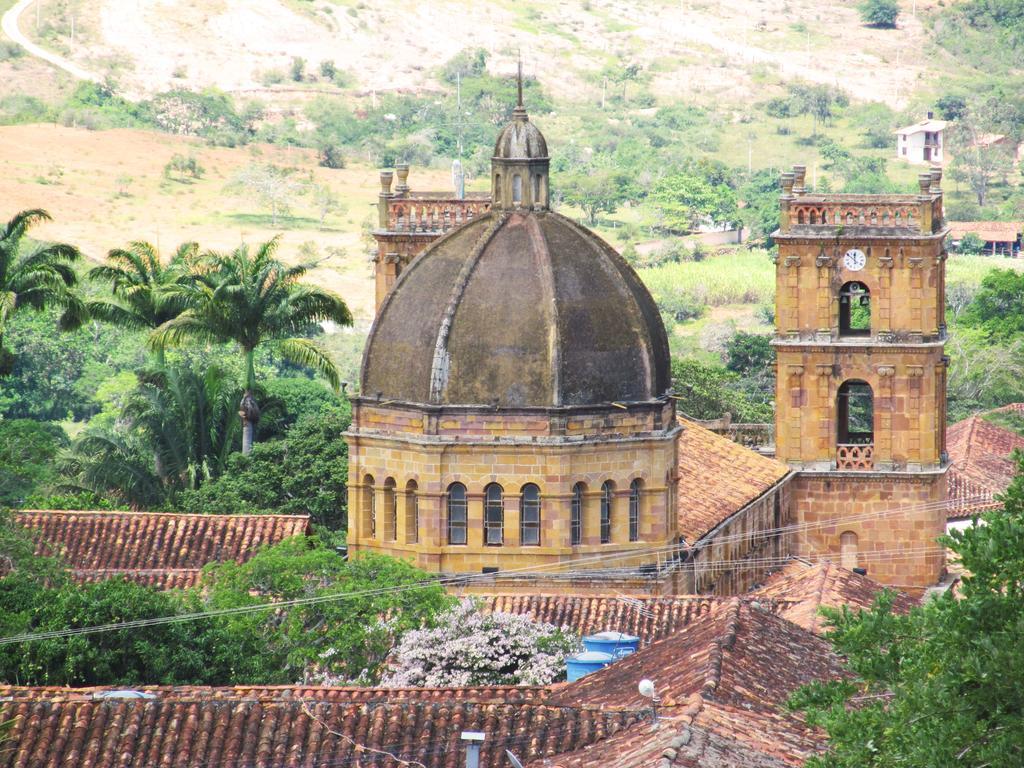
{"x": 470, "y": 647}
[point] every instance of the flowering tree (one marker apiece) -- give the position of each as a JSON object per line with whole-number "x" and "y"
{"x": 470, "y": 647}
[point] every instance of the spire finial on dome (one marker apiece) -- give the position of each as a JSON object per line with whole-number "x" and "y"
{"x": 519, "y": 82}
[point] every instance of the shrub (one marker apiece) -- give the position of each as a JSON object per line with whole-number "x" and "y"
{"x": 470, "y": 647}
{"x": 297, "y": 71}
{"x": 971, "y": 244}
{"x": 879, "y": 13}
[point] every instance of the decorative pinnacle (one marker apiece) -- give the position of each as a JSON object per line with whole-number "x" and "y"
{"x": 519, "y": 82}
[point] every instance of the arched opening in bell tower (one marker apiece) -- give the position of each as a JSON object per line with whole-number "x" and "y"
{"x": 855, "y": 412}
{"x": 854, "y": 309}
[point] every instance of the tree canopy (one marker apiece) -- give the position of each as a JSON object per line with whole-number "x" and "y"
{"x": 942, "y": 686}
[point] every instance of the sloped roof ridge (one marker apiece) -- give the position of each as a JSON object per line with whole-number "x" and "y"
{"x": 133, "y": 513}
{"x": 719, "y": 645}
{"x": 828, "y": 574}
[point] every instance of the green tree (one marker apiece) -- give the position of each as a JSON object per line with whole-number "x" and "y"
{"x": 686, "y": 198}
{"x": 706, "y": 391}
{"x": 305, "y": 473}
{"x": 175, "y": 432}
{"x": 943, "y": 685}
{"x": 164, "y": 654}
{"x": 252, "y": 299}
{"x": 28, "y": 450}
{"x": 348, "y": 639}
{"x": 56, "y": 373}
{"x": 593, "y": 192}
{"x": 36, "y": 278}
{"x": 138, "y": 282}
{"x": 996, "y": 308}
{"x": 760, "y": 196}
{"x": 971, "y": 244}
{"x": 977, "y": 160}
{"x": 879, "y": 13}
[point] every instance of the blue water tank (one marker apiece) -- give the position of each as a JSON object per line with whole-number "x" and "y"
{"x": 618, "y": 644}
{"x": 584, "y": 663}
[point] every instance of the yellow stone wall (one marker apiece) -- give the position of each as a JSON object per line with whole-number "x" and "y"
{"x": 896, "y": 519}
{"x": 476, "y": 449}
{"x": 909, "y": 388}
{"x": 906, "y": 278}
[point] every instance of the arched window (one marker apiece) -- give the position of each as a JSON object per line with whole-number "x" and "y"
{"x": 517, "y": 188}
{"x": 607, "y": 491}
{"x": 634, "y": 510}
{"x": 536, "y": 188}
{"x": 848, "y": 549}
{"x": 497, "y": 187}
{"x": 390, "y": 510}
{"x": 529, "y": 516}
{"x": 369, "y": 507}
{"x": 412, "y": 513}
{"x": 576, "y": 516}
{"x": 854, "y": 310}
{"x": 458, "y": 516}
{"x": 494, "y": 515}
{"x": 855, "y": 414}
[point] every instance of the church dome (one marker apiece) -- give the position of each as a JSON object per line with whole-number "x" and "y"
{"x": 518, "y": 308}
{"x": 520, "y": 139}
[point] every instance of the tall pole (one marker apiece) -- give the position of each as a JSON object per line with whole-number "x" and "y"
{"x": 458, "y": 107}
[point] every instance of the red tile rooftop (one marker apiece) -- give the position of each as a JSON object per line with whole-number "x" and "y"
{"x": 723, "y": 683}
{"x": 144, "y": 545}
{"x": 649, "y": 618}
{"x": 718, "y": 478}
{"x": 721, "y": 678}
{"x": 980, "y": 452}
{"x": 807, "y": 587}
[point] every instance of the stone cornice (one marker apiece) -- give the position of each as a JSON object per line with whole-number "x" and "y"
{"x": 543, "y": 441}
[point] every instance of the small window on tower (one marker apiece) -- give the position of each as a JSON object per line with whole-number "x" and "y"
{"x": 856, "y": 408}
{"x": 854, "y": 310}
{"x": 517, "y": 189}
{"x": 536, "y": 188}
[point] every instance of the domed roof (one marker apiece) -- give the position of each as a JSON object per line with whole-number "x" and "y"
{"x": 518, "y": 309}
{"x": 520, "y": 139}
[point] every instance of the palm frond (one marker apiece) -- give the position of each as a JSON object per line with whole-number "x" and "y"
{"x": 180, "y": 329}
{"x": 307, "y": 353}
{"x": 116, "y": 314}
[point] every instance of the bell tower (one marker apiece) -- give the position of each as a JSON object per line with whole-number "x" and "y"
{"x": 861, "y": 376}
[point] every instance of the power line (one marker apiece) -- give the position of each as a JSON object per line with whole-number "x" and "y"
{"x": 446, "y": 581}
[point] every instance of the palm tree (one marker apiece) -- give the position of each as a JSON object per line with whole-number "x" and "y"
{"x": 37, "y": 277}
{"x": 178, "y": 432}
{"x": 139, "y": 281}
{"x": 252, "y": 298}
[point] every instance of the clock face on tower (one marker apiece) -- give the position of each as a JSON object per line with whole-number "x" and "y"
{"x": 855, "y": 260}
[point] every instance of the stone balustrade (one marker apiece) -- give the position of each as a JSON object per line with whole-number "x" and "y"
{"x": 855, "y": 456}
{"x": 920, "y": 213}
{"x": 433, "y": 215}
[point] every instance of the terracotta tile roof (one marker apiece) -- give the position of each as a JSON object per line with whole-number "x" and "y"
{"x": 980, "y": 453}
{"x": 493, "y": 694}
{"x": 144, "y": 545}
{"x": 250, "y": 728}
{"x": 649, "y": 618}
{"x": 171, "y": 578}
{"x": 723, "y": 682}
{"x": 721, "y": 678}
{"x": 990, "y": 231}
{"x": 808, "y": 587}
{"x": 717, "y": 478}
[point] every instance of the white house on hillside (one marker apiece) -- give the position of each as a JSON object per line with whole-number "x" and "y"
{"x": 921, "y": 143}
